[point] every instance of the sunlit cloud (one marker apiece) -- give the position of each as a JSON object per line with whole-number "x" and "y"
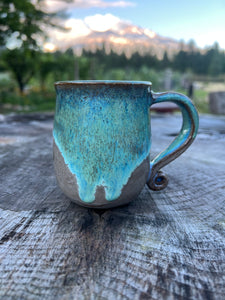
{"x": 92, "y": 31}
{"x": 57, "y": 5}
{"x": 78, "y": 28}
{"x": 119, "y": 40}
{"x": 149, "y": 33}
{"x": 102, "y": 23}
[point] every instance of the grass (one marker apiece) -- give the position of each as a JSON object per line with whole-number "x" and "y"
{"x": 200, "y": 100}
{"x": 32, "y": 102}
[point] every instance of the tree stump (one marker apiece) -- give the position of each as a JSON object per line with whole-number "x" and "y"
{"x": 164, "y": 245}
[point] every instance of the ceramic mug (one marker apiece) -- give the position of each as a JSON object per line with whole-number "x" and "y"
{"x": 102, "y": 140}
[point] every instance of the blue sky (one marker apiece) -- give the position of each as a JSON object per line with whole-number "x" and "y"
{"x": 201, "y": 20}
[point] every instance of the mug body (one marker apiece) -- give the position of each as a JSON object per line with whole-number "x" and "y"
{"x": 102, "y": 140}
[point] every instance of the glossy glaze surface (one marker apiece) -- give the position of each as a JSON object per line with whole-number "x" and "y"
{"x": 102, "y": 140}
{"x": 103, "y": 134}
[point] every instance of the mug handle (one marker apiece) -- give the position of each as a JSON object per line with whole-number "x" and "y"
{"x": 157, "y": 180}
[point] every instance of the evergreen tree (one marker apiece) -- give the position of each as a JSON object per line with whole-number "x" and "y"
{"x": 216, "y": 62}
{"x": 180, "y": 61}
{"x": 165, "y": 61}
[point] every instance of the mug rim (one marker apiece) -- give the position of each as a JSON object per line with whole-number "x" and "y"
{"x": 102, "y": 82}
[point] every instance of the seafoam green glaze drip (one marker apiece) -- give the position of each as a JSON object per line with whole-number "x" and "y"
{"x": 103, "y": 135}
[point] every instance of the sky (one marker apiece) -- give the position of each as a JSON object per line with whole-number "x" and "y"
{"x": 201, "y": 20}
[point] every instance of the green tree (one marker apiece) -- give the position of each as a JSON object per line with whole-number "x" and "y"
{"x": 21, "y": 20}
{"x": 20, "y": 24}
{"x": 216, "y": 62}
{"x": 180, "y": 61}
{"x": 191, "y": 45}
{"x": 22, "y": 63}
{"x": 165, "y": 61}
{"x": 64, "y": 65}
{"x": 46, "y": 66}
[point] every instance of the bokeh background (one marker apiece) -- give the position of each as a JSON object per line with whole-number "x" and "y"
{"x": 177, "y": 45}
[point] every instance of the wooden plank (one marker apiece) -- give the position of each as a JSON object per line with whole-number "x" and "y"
{"x": 164, "y": 245}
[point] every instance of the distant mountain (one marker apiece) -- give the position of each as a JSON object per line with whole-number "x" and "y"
{"x": 121, "y": 36}
{"x": 128, "y": 39}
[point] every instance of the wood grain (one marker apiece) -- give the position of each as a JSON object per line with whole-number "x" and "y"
{"x": 163, "y": 245}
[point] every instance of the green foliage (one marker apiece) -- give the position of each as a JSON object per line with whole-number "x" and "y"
{"x": 22, "y": 63}
{"x": 33, "y": 101}
{"x": 216, "y": 65}
{"x": 201, "y": 101}
{"x": 35, "y": 72}
{"x": 210, "y": 62}
{"x": 22, "y": 20}
{"x": 20, "y": 24}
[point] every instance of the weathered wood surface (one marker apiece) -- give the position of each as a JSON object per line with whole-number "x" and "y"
{"x": 164, "y": 245}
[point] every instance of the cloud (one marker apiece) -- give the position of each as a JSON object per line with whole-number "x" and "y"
{"x": 55, "y": 5}
{"x": 83, "y": 32}
{"x": 78, "y": 28}
{"x": 102, "y": 23}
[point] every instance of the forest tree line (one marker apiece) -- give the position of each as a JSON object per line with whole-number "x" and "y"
{"x": 25, "y": 64}
{"x": 208, "y": 62}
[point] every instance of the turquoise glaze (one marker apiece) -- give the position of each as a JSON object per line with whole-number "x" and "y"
{"x": 100, "y": 136}
{"x": 190, "y": 117}
{"x": 102, "y": 130}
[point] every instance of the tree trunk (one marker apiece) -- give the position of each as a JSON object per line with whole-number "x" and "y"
{"x": 21, "y": 86}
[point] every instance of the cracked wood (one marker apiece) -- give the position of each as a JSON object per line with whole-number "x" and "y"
{"x": 163, "y": 245}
